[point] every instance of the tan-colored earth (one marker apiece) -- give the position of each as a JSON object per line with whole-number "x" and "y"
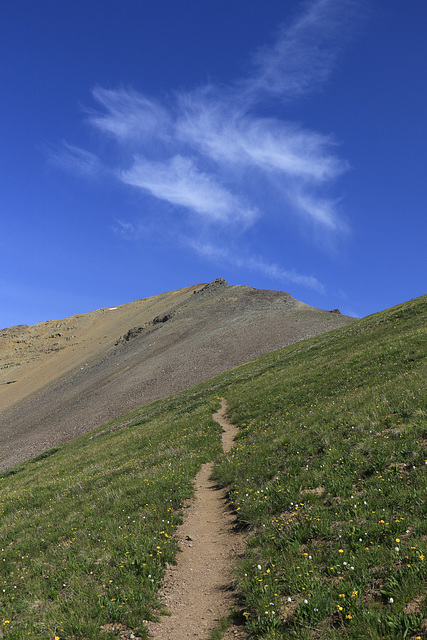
{"x": 62, "y": 378}
{"x": 198, "y": 592}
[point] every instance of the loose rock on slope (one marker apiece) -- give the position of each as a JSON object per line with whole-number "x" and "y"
{"x": 74, "y": 374}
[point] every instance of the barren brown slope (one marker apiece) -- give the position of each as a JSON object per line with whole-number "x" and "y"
{"x": 61, "y": 378}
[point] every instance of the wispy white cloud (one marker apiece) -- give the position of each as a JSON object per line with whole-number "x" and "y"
{"x": 320, "y": 210}
{"x": 277, "y": 272}
{"x": 126, "y": 229}
{"x": 74, "y": 158}
{"x": 256, "y": 264}
{"x": 129, "y": 116}
{"x": 303, "y": 56}
{"x": 211, "y": 153}
{"x": 243, "y": 140}
{"x": 179, "y": 182}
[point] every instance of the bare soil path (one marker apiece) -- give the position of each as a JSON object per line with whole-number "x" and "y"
{"x": 198, "y": 590}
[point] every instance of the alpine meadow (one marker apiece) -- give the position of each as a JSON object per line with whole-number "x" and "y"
{"x": 327, "y": 478}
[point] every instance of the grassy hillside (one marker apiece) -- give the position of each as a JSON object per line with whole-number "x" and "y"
{"x": 328, "y": 476}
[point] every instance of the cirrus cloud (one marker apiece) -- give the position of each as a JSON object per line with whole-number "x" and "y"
{"x": 179, "y": 182}
{"x": 212, "y": 153}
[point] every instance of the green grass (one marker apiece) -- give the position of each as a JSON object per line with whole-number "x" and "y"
{"x": 85, "y": 532}
{"x": 328, "y": 477}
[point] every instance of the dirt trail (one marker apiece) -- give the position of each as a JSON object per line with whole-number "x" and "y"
{"x": 197, "y": 591}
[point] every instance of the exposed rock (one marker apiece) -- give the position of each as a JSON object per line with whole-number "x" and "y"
{"x": 13, "y": 330}
{"x": 136, "y": 331}
{"x": 219, "y": 282}
{"x": 130, "y": 335}
{"x": 162, "y": 318}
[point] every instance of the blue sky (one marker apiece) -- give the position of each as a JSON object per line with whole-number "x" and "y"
{"x": 147, "y": 146}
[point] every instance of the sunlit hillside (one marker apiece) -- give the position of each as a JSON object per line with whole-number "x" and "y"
{"x": 328, "y": 478}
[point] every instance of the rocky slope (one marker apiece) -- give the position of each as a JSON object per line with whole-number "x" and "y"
{"x": 61, "y": 378}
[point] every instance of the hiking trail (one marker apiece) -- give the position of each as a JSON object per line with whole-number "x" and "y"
{"x": 197, "y": 592}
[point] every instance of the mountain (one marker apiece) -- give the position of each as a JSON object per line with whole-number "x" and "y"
{"x": 62, "y": 378}
{"x": 327, "y": 480}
